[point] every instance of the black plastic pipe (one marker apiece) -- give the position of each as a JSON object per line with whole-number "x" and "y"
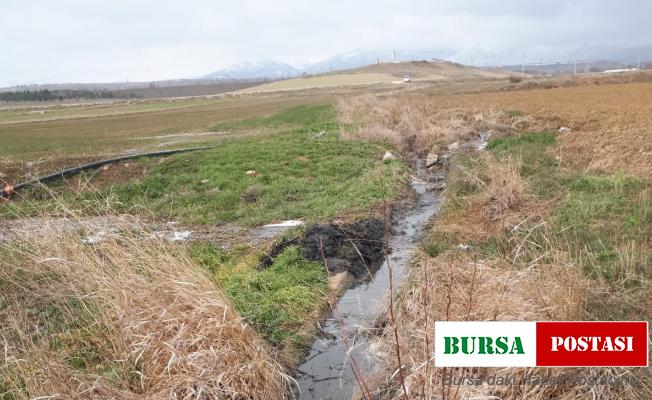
{"x": 9, "y": 190}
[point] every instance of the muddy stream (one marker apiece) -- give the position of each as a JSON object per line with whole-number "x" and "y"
{"x": 326, "y": 372}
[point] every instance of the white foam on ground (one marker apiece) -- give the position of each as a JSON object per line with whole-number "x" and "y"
{"x": 178, "y": 236}
{"x": 284, "y": 224}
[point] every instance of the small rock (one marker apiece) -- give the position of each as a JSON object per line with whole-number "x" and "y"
{"x": 106, "y": 168}
{"x": 126, "y": 164}
{"x": 204, "y": 181}
{"x": 251, "y": 172}
{"x": 321, "y": 134}
{"x": 302, "y": 158}
{"x": 563, "y": 129}
{"x": 214, "y": 190}
{"x": 30, "y": 164}
{"x": 454, "y": 146}
{"x": 389, "y": 156}
{"x": 431, "y": 159}
{"x": 463, "y": 247}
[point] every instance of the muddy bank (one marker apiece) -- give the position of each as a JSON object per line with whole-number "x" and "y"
{"x": 356, "y": 248}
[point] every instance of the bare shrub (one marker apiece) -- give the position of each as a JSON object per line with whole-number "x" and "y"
{"x": 124, "y": 317}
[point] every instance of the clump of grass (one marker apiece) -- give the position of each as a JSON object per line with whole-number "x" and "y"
{"x": 501, "y": 190}
{"x": 278, "y": 300}
{"x": 521, "y": 143}
{"x": 125, "y": 317}
{"x": 514, "y": 113}
{"x": 252, "y": 193}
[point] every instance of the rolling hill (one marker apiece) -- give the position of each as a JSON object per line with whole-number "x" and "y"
{"x": 383, "y": 73}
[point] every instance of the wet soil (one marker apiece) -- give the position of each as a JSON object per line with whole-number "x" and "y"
{"x": 356, "y": 248}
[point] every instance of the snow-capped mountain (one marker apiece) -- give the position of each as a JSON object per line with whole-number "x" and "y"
{"x": 477, "y": 56}
{"x": 363, "y": 58}
{"x": 277, "y": 70}
{"x": 256, "y": 70}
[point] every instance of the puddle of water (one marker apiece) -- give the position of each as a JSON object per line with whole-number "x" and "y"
{"x": 326, "y": 373}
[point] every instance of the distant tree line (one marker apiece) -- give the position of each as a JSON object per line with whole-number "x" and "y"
{"x": 50, "y": 95}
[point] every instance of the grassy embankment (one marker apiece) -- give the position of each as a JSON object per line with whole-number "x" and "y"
{"x": 521, "y": 238}
{"x": 299, "y": 176}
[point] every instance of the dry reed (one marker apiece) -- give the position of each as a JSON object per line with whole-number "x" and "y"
{"x": 125, "y": 317}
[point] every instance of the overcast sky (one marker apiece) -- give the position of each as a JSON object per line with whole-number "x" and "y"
{"x": 115, "y": 40}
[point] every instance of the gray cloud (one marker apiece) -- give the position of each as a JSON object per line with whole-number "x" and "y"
{"x": 77, "y": 40}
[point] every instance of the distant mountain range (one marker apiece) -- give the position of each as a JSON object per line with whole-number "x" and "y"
{"x": 274, "y": 70}
{"x": 249, "y": 70}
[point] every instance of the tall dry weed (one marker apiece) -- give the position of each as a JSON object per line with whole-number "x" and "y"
{"x": 125, "y": 317}
{"x": 413, "y": 124}
{"x": 502, "y": 191}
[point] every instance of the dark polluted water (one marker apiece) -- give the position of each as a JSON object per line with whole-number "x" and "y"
{"x": 326, "y": 372}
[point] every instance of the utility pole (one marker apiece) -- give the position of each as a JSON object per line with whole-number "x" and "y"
{"x": 523, "y": 63}
{"x": 574, "y": 68}
{"x": 639, "y": 62}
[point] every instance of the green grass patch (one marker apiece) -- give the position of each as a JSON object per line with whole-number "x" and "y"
{"x": 519, "y": 143}
{"x": 600, "y": 216}
{"x": 514, "y": 113}
{"x": 276, "y": 300}
{"x": 297, "y": 176}
{"x": 306, "y": 118}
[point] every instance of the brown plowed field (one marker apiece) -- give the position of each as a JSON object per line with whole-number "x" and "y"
{"x": 611, "y": 125}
